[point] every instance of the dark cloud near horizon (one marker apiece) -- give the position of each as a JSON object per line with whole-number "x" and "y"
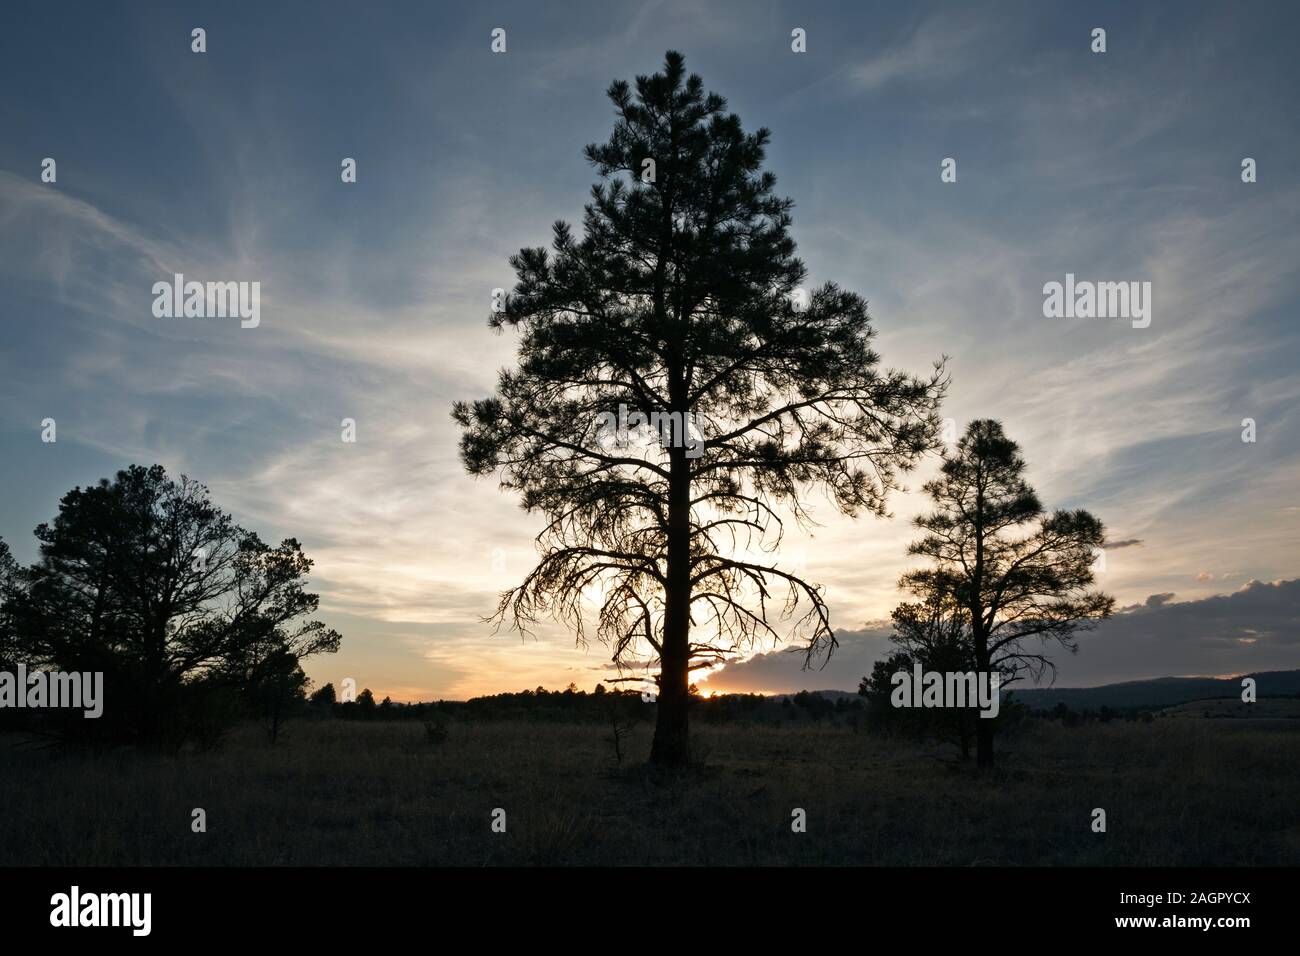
{"x": 1126, "y": 543}
{"x": 1256, "y": 628}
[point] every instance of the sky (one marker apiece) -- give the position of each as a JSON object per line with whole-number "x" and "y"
{"x": 225, "y": 165}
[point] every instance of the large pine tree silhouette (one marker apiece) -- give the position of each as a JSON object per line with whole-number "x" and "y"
{"x": 682, "y": 299}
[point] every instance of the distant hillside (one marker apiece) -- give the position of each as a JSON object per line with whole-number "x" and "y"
{"x": 1159, "y": 692}
{"x": 1265, "y": 707}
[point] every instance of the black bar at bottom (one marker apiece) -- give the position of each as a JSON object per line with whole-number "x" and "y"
{"x": 364, "y": 906}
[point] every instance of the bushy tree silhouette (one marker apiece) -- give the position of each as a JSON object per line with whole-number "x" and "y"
{"x": 325, "y": 698}
{"x": 366, "y": 705}
{"x": 682, "y": 303}
{"x": 275, "y": 688}
{"x": 933, "y": 634}
{"x": 145, "y": 579}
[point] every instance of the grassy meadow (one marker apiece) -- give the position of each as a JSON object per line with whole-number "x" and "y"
{"x": 1176, "y": 792}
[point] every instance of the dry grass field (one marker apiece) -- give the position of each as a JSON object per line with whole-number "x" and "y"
{"x": 1176, "y": 792}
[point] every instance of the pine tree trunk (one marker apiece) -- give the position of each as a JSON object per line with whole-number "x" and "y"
{"x": 983, "y": 725}
{"x": 671, "y": 747}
